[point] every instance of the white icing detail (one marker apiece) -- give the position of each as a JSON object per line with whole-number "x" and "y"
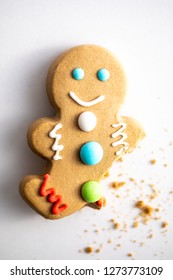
{"x": 121, "y": 126}
{"x": 86, "y": 103}
{"x": 87, "y": 121}
{"x": 55, "y": 147}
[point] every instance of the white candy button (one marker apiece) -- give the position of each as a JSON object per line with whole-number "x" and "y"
{"x": 87, "y": 121}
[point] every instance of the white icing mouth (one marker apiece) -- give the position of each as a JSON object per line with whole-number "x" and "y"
{"x": 86, "y": 103}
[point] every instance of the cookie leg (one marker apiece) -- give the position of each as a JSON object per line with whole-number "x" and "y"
{"x": 29, "y": 190}
{"x": 44, "y": 200}
{"x": 52, "y": 197}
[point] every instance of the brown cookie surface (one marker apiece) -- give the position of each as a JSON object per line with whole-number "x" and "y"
{"x": 86, "y": 86}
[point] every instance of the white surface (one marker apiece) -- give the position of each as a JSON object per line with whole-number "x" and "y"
{"x": 140, "y": 34}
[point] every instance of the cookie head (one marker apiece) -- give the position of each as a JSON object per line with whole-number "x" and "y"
{"x": 86, "y": 76}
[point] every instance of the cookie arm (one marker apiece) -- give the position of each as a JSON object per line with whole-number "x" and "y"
{"x": 40, "y": 137}
{"x": 134, "y": 132}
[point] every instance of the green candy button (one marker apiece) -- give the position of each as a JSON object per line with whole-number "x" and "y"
{"x": 91, "y": 191}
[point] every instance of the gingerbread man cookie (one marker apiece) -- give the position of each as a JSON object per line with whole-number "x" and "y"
{"x": 86, "y": 86}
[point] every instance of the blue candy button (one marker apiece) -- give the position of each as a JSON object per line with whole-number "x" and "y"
{"x": 103, "y": 75}
{"x": 78, "y": 73}
{"x": 91, "y": 153}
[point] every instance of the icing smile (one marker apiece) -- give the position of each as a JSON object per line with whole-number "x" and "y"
{"x": 86, "y": 103}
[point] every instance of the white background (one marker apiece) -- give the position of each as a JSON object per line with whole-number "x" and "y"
{"x": 140, "y": 34}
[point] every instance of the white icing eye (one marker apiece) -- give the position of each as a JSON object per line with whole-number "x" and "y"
{"x": 103, "y": 75}
{"x": 87, "y": 121}
{"x": 78, "y": 73}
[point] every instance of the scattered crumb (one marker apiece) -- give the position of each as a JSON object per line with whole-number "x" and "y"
{"x": 147, "y": 210}
{"x": 153, "y": 161}
{"x": 104, "y": 201}
{"x": 157, "y": 218}
{"x": 139, "y": 204}
{"x": 130, "y": 254}
{"x": 151, "y": 235}
{"x": 88, "y": 250}
{"x": 117, "y": 185}
{"x": 164, "y": 224}
{"x": 110, "y": 241}
{"x": 135, "y": 224}
{"x": 107, "y": 174}
{"x": 116, "y": 225}
{"x": 120, "y": 159}
{"x": 170, "y": 143}
{"x": 154, "y": 190}
{"x": 98, "y": 250}
{"x": 132, "y": 179}
{"x": 125, "y": 227}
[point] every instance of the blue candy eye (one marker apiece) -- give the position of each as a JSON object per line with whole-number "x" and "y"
{"x": 78, "y": 73}
{"x": 103, "y": 75}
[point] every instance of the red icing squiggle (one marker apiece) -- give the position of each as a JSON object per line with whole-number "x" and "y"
{"x": 100, "y": 202}
{"x": 52, "y": 197}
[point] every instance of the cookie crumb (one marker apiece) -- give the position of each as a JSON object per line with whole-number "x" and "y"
{"x": 116, "y": 225}
{"x": 130, "y": 254}
{"x": 147, "y": 210}
{"x": 153, "y": 161}
{"x": 132, "y": 179}
{"x": 139, "y": 204}
{"x": 154, "y": 190}
{"x": 117, "y": 185}
{"x": 135, "y": 224}
{"x": 107, "y": 174}
{"x": 88, "y": 250}
{"x": 170, "y": 143}
{"x": 164, "y": 224}
{"x": 98, "y": 250}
